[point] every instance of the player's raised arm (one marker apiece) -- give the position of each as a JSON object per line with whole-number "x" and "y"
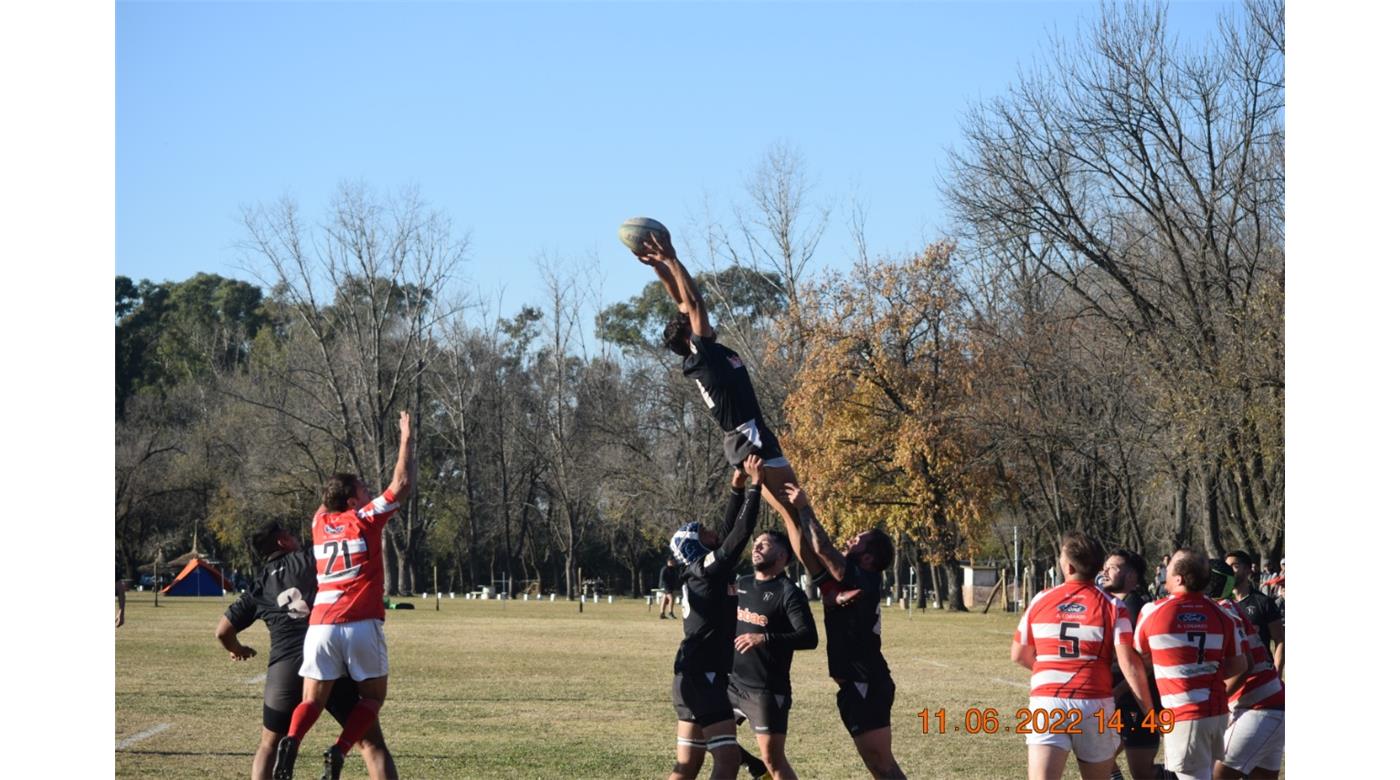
{"x": 738, "y": 535}
{"x": 815, "y": 535}
{"x": 404, "y": 468}
{"x": 678, "y": 283}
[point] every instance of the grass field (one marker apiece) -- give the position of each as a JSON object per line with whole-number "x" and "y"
{"x": 526, "y": 690}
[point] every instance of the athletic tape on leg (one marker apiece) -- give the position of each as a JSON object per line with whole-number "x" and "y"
{"x": 724, "y": 741}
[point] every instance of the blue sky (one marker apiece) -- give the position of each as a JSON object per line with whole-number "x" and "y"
{"x": 539, "y": 127}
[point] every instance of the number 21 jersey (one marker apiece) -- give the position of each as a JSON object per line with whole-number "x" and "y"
{"x": 350, "y": 562}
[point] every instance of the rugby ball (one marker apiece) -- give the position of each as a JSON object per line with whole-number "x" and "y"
{"x": 634, "y": 232}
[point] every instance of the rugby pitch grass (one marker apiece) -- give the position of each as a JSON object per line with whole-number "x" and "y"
{"x": 488, "y": 689}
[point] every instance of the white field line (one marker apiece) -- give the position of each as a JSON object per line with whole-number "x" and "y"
{"x": 258, "y": 679}
{"x": 1021, "y": 685}
{"x": 134, "y": 738}
{"x": 932, "y": 662}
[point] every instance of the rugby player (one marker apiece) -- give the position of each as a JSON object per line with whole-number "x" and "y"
{"x": 774, "y": 619}
{"x": 1064, "y": 639}
{"x": 1261, "y": 610}
{"x": 725, "y": 387}
{"x": 347, "y": 618}
{"x": 1125, "y": 577}
{"x": 1193, "y": 646}
{"x": 865, "y": 689}
{"x": 1254, "y": 738}
{"x": 704, "y": 717}
{"x": 279, "y": 597}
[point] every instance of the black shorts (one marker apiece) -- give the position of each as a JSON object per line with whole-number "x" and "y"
{"x": 701, "y": 698}
{"x": 738, "y": 446}
{"x": 1132, "y": 733}
{"x": 282, "y": 694}
{"x": 865, "y": 705}
{"x": 767, "y": 712}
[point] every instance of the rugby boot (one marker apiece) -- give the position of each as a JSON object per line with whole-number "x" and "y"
{"x": 285, "y": 759}
{"x": 334, "y": 760}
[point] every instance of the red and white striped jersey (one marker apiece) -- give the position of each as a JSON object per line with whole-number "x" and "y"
{"x": 1067, "y": 625}
{"x": 1186, "y": 638}
{"x": 350, "y": 562}
{"x": 1262, "y": 689}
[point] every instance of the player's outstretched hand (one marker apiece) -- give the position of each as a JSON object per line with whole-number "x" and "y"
{"x": 243, "y": 653}
{"x": 746, "y": 642}
{"x": 795, "y": 495}
{"x": 753, "y": 466}
{"x": 737, "y": 480}
{"x": 655, "y": 251}
{"x": 405, "y": 424}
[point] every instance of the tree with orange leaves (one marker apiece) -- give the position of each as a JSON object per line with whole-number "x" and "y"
{"x": 876, "y": 410}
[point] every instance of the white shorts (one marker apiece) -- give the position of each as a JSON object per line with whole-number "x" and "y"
{"x": 1088, "y": 745}
{"x": 1253, "y": 739}
{"x": 333, "y": 650}
{"x": 1192, "y": 747}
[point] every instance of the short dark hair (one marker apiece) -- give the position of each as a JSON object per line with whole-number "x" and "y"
{"x": 676, "y": 337}
{"x": 881, "y": 547}
{"x": 1083, "y": 552}
{"x": 1193, "y": 568}
{"x": 1241, "y": 555}
{"x": 339, "y": 491}
{"x": 265, "y": 538}
{"x": 1134, "y": 561}
{"x": 780, "y": 540}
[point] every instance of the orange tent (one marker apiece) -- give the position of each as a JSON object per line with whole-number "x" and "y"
{"x": 198, "y": 579}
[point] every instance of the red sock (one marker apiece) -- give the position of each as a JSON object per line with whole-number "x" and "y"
{"x": 303, "y": 718}
{"x": 359, "y": 720}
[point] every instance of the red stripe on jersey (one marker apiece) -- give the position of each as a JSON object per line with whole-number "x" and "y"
{"x": 1186, "y": 638}
{"x": 1263, "y": 688}
{"x": 1073, "y": 628}
{"x": 350, "y": 562}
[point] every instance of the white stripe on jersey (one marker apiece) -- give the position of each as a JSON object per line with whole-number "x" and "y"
{"x": 1058, "y": 657}
{"x": 327, "y": 596}
{"x": 1050, "y": 677}
{"x": 1184, "y": 670}
{"x": 709, "y": 402}
{"x": 1052, "y": 631}
{"x": 377, "y": 507}
{"x": 1193, "y": 696}
{"x": 322, "y": 579}
{"x": 1258, "y": 694}
{"x": 324, "y": 550}
{"x": 1169, "y": 641}
{"x": 1262, "y": 666}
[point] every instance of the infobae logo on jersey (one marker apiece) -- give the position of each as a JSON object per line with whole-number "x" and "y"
{"x": 1072, "y": 608}
{"x": 735, "y": 362}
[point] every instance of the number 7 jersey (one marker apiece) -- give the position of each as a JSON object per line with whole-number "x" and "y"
{"x": 1074, "y": 628}
{"x": 350, "y": 562}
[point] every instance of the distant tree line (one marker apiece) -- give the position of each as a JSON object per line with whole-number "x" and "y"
{"x": 1097, "y": 345}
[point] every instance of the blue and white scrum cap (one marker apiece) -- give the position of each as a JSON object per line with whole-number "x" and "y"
{"x": 686, "y": 546}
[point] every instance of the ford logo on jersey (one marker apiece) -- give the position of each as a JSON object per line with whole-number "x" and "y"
{"x": 1190, "y": 617}
{"x": 1072, "y": 607}
{"x": 333, "y": 530}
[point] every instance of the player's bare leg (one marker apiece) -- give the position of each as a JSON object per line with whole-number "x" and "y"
{"x": 378, "y": 761}
{"x": 723, "y": 745}
{"x": 1098, "y": 770}
{"x": 1045, "y": 762}
{"x": 362, "y": 717}
{"x": 1142, "y": 762}
{"x": 690, "y": 751}
{"x": 262, "y": 758}
{"x": 877, "y": 752}
{"x": 773, "y": 480}
{"x": 770, "y": 749}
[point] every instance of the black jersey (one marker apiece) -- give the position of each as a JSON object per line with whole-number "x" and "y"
{"x": 853, "y": 631}
{"x": 670, "y": 579}
{"x": 724, "y": 383}
{"x": 282, "y": 596}
{"x": 708, "y": 600}
{"x": 1261, "y": 611}
{"x": 778, "y": 608}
